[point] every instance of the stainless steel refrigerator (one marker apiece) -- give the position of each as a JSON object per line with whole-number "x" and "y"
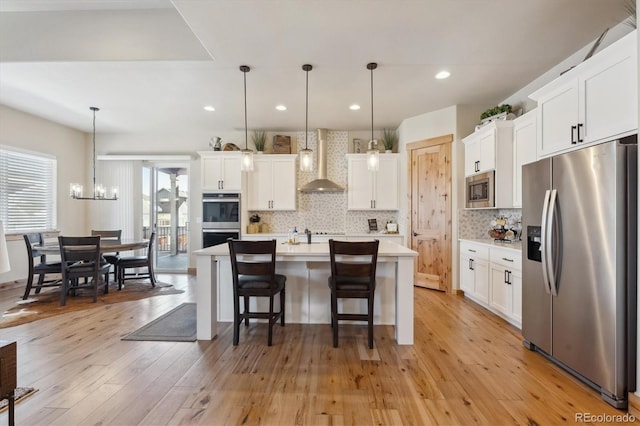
{"x": 579, "y": 264}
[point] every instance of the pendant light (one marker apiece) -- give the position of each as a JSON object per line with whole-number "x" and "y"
{"x": 373, "y": 162}
{"x": 306, "y": 155}
{"x": 99, "y": 191}
{"x": 246, "y": 164}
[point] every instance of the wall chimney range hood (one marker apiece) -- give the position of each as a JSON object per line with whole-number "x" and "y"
{"x": 321, "y": 184}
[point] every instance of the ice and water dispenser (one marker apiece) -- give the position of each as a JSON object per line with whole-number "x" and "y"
{"x": 533, "y": 243}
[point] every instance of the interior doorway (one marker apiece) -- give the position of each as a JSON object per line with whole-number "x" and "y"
{"x": 430, "y": 225}
{"x": 165, "y": 207}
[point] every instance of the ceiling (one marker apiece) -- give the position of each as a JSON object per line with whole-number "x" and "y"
{"x": 152, "y": 65}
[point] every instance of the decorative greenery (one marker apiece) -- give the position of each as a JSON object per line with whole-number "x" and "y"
{"x": 259, "y": 138}
{"x": 496, "y": 110}
{"x": 389, "y": 138}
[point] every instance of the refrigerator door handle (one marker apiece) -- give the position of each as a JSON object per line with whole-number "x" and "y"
{"x": 543, "y": 241}
{"x": 549, "y": 241}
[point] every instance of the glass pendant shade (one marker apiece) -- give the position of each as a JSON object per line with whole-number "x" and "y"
{"x": 246, "y": 156}
{"x": 306, "y": 160}
{"x": 373, "y": 160}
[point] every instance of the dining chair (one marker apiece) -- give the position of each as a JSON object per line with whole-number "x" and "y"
{"x": 146, "y": 261}
{"x": 81, "y": 258}
{"x": 111, "y": 258}
{"x": 42, "y": 268}
{"x": 253, "y": 268}
{"x": 353, "y": 276}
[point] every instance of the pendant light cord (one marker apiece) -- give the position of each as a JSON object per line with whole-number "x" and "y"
{"x": 306, "y": 68}
{"x": 94, "y": 109}
{"x": 306, "y": 111}
{"x": 245, "y": 110}
{"x": 372, "y": 66}
{"x": 372, "y": 104}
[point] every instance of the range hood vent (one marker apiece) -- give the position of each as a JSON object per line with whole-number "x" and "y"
{"x": 321, "y": 184}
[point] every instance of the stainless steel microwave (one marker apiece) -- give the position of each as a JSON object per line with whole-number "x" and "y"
{"x": 480, "y": 190}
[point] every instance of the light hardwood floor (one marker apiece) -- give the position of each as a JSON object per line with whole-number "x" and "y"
{"x": 466, "y": 367}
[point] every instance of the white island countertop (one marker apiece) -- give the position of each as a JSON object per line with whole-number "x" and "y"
{"x": 315, "y": 249}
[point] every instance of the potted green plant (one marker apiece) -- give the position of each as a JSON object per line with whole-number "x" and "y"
{"x": 389, "y": 139}
{"x": 259, "y": 138}
{"x": 491, "y": 113}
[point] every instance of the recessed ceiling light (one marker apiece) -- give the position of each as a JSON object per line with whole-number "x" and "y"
{"x": 281, "y": 107}
{"x": 442, "y": 75}
{"x": 209, "y": 108}
{"x": 354, "y": 107}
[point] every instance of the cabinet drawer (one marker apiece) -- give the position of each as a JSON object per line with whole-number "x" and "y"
{"x": 474, "y": 250}
{"x": 510, "y": 259}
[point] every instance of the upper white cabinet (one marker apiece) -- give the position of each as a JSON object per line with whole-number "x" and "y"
{"x": 480, "y": 150}
{"x": 524, "y": 150}
{"x": 372, "y": 190}
{"x": 220, "y": 171}
{"x": 593, "y": 102}
{"x": 491, "y": 148}
{"x": 272, "y": 184}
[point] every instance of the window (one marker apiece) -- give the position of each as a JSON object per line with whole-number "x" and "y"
{"x": 28, "y": 183}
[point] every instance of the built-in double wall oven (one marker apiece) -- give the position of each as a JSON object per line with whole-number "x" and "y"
{"x": 220, "y": 218}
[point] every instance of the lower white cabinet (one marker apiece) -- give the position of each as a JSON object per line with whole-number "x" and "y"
{"x": 492, "y": 277}
{"x": 474, "y": 271}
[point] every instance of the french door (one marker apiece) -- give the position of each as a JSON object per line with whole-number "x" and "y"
{"x": 165, "y": 207}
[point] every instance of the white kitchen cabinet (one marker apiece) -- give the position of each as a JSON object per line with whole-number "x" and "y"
{"x": 524, "y": 150}
{"x": 491, "y": 148}
{"x": 593, "y": 102}
{"x": 506, "y": 284}
{"x": 272, "y": 184}
{"x": 492, "y": 277}
{"x": 480, "y": 149}
{"x": 474, "y": 271}
{"x": 368, "y": 190}
{"x": 220, "y": 171}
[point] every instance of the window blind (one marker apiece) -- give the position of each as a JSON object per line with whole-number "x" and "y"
{"x": 28, "y": 183}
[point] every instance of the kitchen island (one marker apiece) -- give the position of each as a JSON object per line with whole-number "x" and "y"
{"x": 307, "y": 267}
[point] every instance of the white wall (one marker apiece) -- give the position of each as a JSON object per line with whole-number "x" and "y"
{"x": 69, "y": 146}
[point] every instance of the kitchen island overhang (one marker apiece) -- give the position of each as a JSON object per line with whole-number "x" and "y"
{"x": 307, "y": 267}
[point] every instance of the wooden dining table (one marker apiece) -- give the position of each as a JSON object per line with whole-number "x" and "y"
{"x": 106, "y": 246}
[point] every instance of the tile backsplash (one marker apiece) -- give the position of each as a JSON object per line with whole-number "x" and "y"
{"x": 325, "y": 212}
{"x": 474, "y": 224}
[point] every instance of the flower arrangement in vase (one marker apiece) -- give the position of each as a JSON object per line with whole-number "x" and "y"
{"x": 504, "y": 229}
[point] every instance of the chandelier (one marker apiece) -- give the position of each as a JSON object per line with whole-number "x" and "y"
{"x": 99, "y": 191}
